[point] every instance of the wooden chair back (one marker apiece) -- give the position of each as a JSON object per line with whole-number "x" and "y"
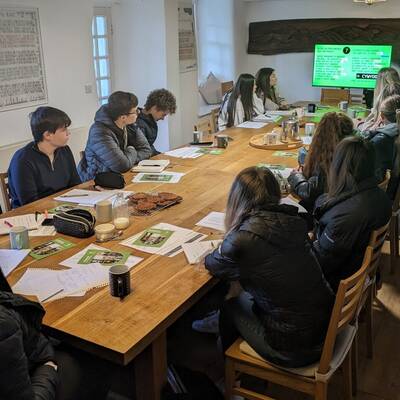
{"x": 334, "y": 96}
{"x": 205, "y": 125}
{"x": 226, "y": 87}
{"x": 214, "y": 119}
{"x": 4, "y": 191}
{"x": 344, "y": 311}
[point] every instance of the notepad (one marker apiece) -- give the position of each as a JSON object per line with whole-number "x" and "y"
{"x": 194, "y": 252}
{"x": 10, "y": 259}
{"x": 27, "y": 220}
{"x": 151, "y": 166}
{"x": 89, "y": 198}
{"x": 214, "y": 220}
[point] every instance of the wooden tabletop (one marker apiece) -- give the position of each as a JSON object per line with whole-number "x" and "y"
{"x": 163, "y": 288}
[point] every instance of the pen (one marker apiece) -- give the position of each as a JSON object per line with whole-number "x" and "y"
{"x": 52, "y": 295}
{"x": 74, "y": 195}
{"x": 8, "y": 224}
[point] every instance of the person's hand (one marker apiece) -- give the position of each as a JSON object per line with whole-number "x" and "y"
{"x": 51, "y": 364}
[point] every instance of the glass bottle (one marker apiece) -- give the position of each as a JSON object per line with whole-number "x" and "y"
{"x": 120, "y": 212}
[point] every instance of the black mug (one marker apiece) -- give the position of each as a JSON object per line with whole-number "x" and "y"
{"x": 311, "y": 108}
{"x": 120, "y": 281}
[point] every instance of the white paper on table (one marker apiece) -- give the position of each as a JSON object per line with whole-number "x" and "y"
{"x": 27, "y": 220}
{"x": 289, "y": 201}
{"x": 175, "y": 177}
{"x": 10, "y": 259}
{"x": 173, "y": 244}
{"x": 185, "y": 152}
{"x": 214, "y": 220}
{"x": 284, "y": 113}
{"x": 266, "y": 118}
{"x": 306, "y": 139}
{"x": 43, "y": 231}
{"x": 72, "y": 262}
{"x": 252, "y": 125}
{"x": 91, "y": 196}
{"x": 194, "y": 252}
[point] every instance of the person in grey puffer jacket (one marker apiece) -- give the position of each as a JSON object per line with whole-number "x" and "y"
{"x": 109, "y": 146}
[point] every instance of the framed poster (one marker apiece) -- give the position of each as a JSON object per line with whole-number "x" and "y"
{"x": 187, "y": 38}
{"x": 22, "y": 75}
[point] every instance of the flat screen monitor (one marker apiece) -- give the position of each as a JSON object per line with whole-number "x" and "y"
{"x": 349, "y": 65}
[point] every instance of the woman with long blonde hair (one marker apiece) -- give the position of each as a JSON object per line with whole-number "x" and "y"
{"x": 311, "y": 182}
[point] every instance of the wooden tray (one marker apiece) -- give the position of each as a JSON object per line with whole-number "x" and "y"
{"x": 257, "y": 141}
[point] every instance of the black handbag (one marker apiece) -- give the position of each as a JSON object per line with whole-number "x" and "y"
{"x": 76, "y": 222}
{"x": 112, "y": 180}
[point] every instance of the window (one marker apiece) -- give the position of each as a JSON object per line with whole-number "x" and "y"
{"x": 101, "y": 33}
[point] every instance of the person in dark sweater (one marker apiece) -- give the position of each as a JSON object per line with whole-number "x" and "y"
{"x": 159, "y": 104}
{"x": 353, "y": 207}
{"x": 46, "y": 165}
{"x": 285, "y": 308}
{"x": 310, "y": 181}
{"x": 109, "y": 146}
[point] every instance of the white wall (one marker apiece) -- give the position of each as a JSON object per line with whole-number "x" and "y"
{"x": 295, "y": 70}
{"x": 66, "y": 39}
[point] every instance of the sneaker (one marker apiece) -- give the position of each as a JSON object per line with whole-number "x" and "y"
{"x": 209, "y": 324}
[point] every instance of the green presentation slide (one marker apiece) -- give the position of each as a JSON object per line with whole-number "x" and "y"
{"x": 349, "y": 66}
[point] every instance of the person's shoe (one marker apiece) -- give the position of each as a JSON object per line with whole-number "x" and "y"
{"x": 209, "y": 324}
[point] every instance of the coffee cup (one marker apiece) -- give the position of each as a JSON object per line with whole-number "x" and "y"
{"x": 103, "y": 211}
{"x": 197, "y": 137}
{"x": 120, "y": 280}
{"x": 343, "y": 105}
{"x": 19, "y": 238}
{"x": 271, "y": 138}
{"x": 311, "y": 108}
{"x": 222, "y": 141}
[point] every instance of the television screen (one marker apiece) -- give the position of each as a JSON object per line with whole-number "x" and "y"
{"x": 348, "y": 65}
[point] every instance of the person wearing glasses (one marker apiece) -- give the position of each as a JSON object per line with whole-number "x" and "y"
{"x": 109, "y": 146}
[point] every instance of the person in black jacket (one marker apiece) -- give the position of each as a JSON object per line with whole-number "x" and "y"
{"x": 353, "y": 207}
{"x": 109, "y": 146}
{"x": 310, "y": 181}
{"x": 285, "y": 308}
{"x": 159, "y": 104}
{"x": 386, "y": 142}
{"x": 46, "y": 165}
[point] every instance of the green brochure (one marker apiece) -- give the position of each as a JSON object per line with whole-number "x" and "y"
{"x": 153, "y": 238}
{"x": 107, "y": 257}
{"x": 49, "y": 248}
{"x": 155, "y": 178}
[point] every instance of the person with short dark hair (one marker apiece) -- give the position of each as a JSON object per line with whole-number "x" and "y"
{"x": 159, "y": 104}
{"x": 46, "y": 165}
{"x": 353, "y": 207}
{"x": 109, "y": 147}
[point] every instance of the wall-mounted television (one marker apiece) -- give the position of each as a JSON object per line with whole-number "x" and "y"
{"x": 349, "y": 65}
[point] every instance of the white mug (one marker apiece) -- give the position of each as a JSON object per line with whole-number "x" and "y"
{"x": 343, "y": 105}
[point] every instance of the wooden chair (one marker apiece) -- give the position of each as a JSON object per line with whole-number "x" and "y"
{"x": 394, "y": 231}
{"x": 334, "y": 96}
{"x": 4, "y": 191}
{"x": 314, "y": 379}
{"x": 205, "y": 125}
{"x": 214, "y": 119}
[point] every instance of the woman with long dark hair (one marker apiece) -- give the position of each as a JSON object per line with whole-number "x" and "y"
{"x": 266, "y": 90}
{"x": 241, "y": 104}
{"x": 311, "y": 181}
{"x": 353, "y": 207}
{"x": 266, "y": 249}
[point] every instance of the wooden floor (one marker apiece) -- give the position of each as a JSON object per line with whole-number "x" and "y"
{"x": 379, "y": 378}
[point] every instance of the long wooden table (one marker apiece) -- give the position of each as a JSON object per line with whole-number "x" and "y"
{"x": 163, "y": 288}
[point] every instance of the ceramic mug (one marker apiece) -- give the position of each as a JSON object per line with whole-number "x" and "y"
{"x": 19, "y": 238}
{"x": 120, "y": 280}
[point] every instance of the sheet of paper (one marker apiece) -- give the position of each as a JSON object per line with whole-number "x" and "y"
{"x": 73, "y": 262}
{"x": 185, "y": 152}
{"x": 27, "y": 220}
{"x": 163, "y": 177}
{"x": 214, "y": 220}
{"x": 43, "y": 231}
{"x": 194, "y": 252}
{"x": 291, "y": 202}
{"x": 10, "y": 259}
{"x": 306, "y": 139}
{"x": 267, "y": 118}
{"x": 89, "y": 198}
{"x": 283, "y": 113}
{"x": 252, "y": 125}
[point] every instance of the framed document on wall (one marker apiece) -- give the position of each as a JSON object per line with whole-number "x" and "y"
{"x": 22, "y": 74}
{"x": 187, "y": 38}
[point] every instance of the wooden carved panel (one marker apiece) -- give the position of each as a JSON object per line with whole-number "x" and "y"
{"x": 300, "y": 35}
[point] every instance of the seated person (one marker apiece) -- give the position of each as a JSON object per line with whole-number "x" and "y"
{"x": 386, "y": 76}
{"x": 46, "y": 165}
{"x": 240, "y": 104}
{"x": 386, "y": 142}
{"x": 266, "y": 84}
{"x": 353, "y": 207}
{"x": 108, "y": 147}
{"x": 266, "y": 249}
{"x": 310, "y": 181}
{"x": 31, "y": 368}
{"x": 158, "y": 105}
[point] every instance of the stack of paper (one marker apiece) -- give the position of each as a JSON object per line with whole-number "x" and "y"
{"x": 252, "y": 125}
{"x": 194, "y": 252}
{"x": 266, "y": 118}
{"x": 27, "y": 220}
{"x": 284, "y": 113}
{"x": 185, "y": 152}
{"x": 89, "y": 198}
{"x": 163, "y": 177}
{"x": 214, "y": 220}
{"x": 163, "y": 238}
{"x": 10, "y": 259}
{"x": 151, "y": 166}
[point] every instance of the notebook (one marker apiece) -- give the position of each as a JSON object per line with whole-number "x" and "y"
{"x": 151, "y": 166}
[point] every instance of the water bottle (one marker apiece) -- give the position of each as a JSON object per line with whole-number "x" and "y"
{"x": 120, "y": 212}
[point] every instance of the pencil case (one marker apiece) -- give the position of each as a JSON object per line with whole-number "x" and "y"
{"x": 77, "y": 222}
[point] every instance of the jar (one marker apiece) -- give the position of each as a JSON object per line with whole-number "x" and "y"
{"x": 120, "y": 212}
